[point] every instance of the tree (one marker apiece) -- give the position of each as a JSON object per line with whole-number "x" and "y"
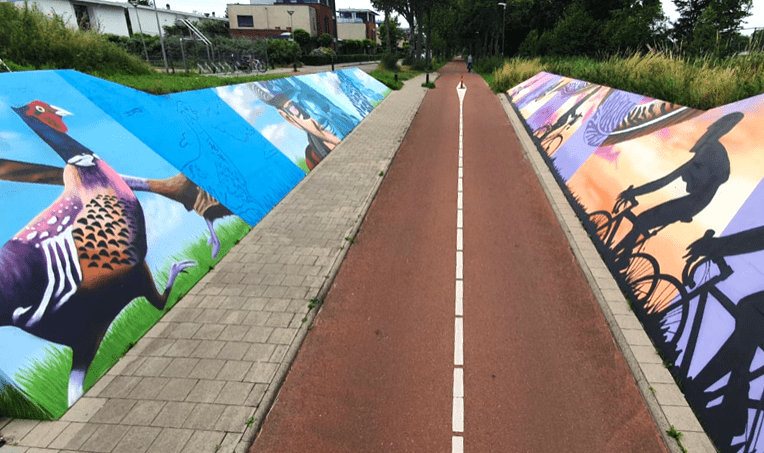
{"x": 393, "y": 33}
{"x": 213, "y": 27}
{"x": 302, "y": 38}
{"x": 725, "y": 16}
{"x": 325, "y": 40}
{"x": 386, "y": 6}
{"x": 635, "y": 27}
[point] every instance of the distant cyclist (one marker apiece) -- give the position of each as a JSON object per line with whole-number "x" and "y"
{"x": 469, "y": 63}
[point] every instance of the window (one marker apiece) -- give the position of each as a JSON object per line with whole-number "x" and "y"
{"x": 245, "y": 21}
{"x": 83, "y": 19}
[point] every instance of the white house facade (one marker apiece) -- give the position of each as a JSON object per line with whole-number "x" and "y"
{"x": 117, "y": 18}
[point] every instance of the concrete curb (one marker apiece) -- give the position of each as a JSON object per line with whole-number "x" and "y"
{"x": 663, "y": 397}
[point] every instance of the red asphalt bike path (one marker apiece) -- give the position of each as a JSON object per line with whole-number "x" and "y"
{"x": 541, "y": 370}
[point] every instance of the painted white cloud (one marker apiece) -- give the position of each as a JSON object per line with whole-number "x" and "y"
{"x": 162, "y": 216}
{"x": 276, "y": 133}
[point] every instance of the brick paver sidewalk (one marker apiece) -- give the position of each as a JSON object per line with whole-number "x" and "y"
{"x": 204, "y": 377}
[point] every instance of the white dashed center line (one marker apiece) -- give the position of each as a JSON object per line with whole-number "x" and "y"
{"x": 457, "y": 420}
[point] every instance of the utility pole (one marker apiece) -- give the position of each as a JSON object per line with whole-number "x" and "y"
{"x": 140, "y": 29}
{"x": 503, "y": 27}
{"x": 161, "y": 37}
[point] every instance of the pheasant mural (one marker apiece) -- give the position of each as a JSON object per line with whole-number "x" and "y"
{"x": 117, "y": 202}
{"x": 80, "y": 262}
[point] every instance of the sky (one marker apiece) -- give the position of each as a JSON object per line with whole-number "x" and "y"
{"x": 755, "y": 20}
{"x": 219, "y": 6}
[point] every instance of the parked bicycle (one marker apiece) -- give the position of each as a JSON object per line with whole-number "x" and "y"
{"x": 248, "y": 63}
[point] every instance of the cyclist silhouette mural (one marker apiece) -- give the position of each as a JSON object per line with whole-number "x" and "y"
{"x": 703, "y": 174}
{"x": 727, "y": 390}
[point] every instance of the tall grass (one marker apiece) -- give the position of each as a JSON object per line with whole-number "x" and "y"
{"x": 701, "y": 83}
{"x": 31, "y": 38}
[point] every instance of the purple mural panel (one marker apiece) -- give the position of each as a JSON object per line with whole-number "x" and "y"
{"x": 577, "y": 149}
{"x": 523, "y": 96}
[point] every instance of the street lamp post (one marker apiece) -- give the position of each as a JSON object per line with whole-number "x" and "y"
{"x": 503, "y": 26}
{"x": 291, "y": 30}
{"x": 161, "y": 37}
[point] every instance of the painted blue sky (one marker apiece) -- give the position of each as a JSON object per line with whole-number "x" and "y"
{"x": 288, "y": 139}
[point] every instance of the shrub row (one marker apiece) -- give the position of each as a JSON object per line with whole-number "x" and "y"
{"x": 30, "y": 38}
{"x": 320, "y": 60}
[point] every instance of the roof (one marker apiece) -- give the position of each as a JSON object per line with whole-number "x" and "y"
{"x": 353, "y": 10}
{"x": 150, "y": 8}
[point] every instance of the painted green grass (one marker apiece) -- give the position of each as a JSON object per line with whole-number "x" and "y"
{"x": 14, "y": 403}
{"x": 46, "y": 381}
{"x": 303, "y": 165}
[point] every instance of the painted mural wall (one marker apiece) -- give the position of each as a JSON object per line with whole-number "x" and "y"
{"x": 117, "y": 202}
{"x": 674, "y": 199}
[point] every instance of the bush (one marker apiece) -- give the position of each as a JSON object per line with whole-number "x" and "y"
{"x": 325, "y": 40}
{"x": 326, "y": 57}
{"x": 390, "y": 61}
{"x": 28, "y": 37}
{"x": 281, "y": 51}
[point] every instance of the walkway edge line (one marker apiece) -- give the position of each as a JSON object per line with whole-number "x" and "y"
{"x": 271, "y": 394}
{"x": 655, "y": 383}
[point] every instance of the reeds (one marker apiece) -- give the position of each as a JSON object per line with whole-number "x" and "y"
{"x": 702, "y": 83}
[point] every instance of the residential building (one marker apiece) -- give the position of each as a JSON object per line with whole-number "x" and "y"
{"x": 357, "y": 24}
{"x": 122, "y": 19}
{"x": 263, "y": 18}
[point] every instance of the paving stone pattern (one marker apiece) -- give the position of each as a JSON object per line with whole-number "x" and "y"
{"x": 217, "y": 359}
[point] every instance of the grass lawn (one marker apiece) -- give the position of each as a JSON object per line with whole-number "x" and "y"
{"x": 161, "y": 83}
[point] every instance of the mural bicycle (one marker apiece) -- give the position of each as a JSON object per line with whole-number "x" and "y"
{"x": 673, "y": 199}
{"x": 110, "y": 219}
